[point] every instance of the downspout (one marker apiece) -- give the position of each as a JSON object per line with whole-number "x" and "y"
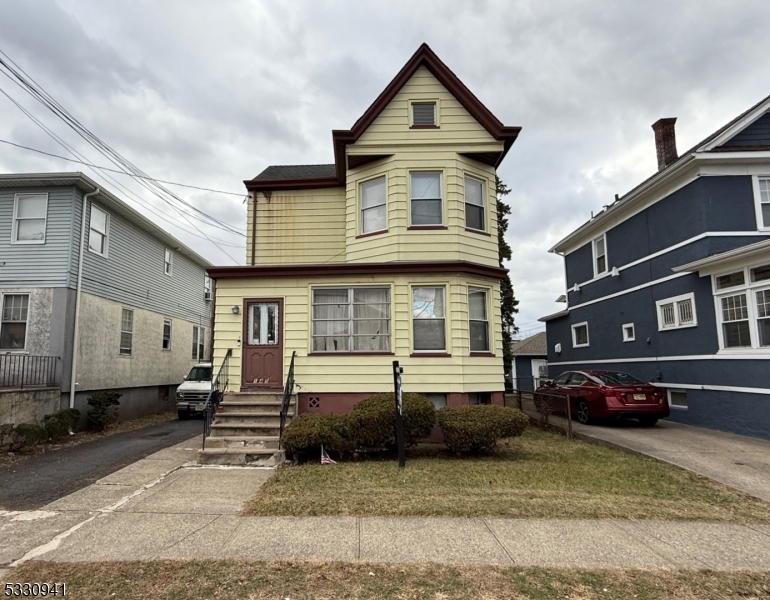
{"x": 254, "y": 229}
{"x": 76, "y": 333}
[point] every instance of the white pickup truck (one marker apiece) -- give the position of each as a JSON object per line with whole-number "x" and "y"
{"x": 192, "y": 393}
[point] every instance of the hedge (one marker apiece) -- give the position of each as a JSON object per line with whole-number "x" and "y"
{"x": 60, "y": 423}
{"x": 305, "y": 434}
{"x": 373, "y": 420}
{"x": 474, "y": 429}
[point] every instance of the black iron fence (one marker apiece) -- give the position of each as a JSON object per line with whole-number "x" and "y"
{"x": 24, "y": 371}
{"x": 537, "y": 400}
{"x": 218, "y": 387}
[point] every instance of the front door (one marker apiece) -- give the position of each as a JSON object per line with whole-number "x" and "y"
{"x": 262, "y": 344}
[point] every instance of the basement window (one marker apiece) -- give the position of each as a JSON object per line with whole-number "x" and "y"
{"x": 677, "y": 399}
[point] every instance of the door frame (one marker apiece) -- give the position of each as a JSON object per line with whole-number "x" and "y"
{"x": 245, "y": 341}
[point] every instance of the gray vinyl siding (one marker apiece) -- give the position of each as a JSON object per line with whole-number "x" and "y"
{"x": 133, "y": 273}
{"x": 37, "y": 265}
{"x": 756, "y": 134}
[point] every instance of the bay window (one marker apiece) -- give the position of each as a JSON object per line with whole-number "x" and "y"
{"x": 478, "y": 320}
{"x": 428, "y": 319}
{"x": 373, "y": 215}
{"x": 743, "y": 308}
{"x": 425, "y": 198}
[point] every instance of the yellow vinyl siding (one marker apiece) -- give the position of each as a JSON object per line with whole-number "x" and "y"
{"x": 299, "y": 227}
{"x": 346, "y": 372}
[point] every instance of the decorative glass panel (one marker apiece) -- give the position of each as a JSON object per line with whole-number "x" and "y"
{"x": 667, "y": 314}
{"x": 263, "y": 324}
{"x": 685, "y": 312}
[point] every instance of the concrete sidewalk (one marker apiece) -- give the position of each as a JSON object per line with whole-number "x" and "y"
{"x": 739, "y": 461}
{"x": 158, "y": 508}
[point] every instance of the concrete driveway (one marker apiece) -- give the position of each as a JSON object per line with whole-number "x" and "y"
{"x": 738, "y": 461}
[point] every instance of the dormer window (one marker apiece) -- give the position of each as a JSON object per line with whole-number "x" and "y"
{"x": 424, "y": 114}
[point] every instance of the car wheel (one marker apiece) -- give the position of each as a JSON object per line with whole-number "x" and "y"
{"x": 583, "y": 413}
{"x": 183, "y": 415}
{"x": 648, "y": 421}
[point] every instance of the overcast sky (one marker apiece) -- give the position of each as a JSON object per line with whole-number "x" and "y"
{"x": 210, "y": 93}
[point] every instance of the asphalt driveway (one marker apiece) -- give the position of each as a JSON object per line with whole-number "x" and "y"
{"x": 34, "y": 481}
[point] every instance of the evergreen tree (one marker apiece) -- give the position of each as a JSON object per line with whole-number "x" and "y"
{"x": 508, "y": 302}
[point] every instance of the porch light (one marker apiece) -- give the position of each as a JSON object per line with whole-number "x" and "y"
{"x": 236, "y": 309}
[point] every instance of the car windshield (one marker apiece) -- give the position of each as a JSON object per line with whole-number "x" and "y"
{"x": 618, "y": 379}
{"x": 199, "y": 374}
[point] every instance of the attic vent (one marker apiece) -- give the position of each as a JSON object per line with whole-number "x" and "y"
{"x": 424, "y": 114}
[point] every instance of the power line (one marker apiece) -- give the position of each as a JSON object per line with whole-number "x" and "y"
{"x": 195, "y": 187}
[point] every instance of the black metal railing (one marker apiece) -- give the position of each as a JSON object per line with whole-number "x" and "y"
{"x": 218, "y": 386}
{"x": 25, "y": 370}
{"x": 288, "y": 390}
{"x": 533, "y": 397}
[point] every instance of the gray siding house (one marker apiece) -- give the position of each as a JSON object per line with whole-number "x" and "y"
{"x": 134, "y": 312}
{"x": 671, "y": 282}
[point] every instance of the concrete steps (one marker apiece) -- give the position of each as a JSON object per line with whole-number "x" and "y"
{"x": 245, "y": 430}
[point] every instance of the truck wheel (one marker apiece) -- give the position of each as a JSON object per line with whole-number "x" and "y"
{"x": 183, "y": 415}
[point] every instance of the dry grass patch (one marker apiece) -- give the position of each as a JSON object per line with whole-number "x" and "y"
{"x": 199, "y": 580}
{"x": 537, "y": 475}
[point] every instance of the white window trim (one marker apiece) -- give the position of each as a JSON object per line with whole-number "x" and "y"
{"x": 170, "y": 262}
{"x": 447, "y": 341}
{"x": 14, "y": 228}
{"x": 574, "y": 336}
{"x": 361, "y": 205}
{"x": 106, "y": 232}
{"x": 758, "y": 202}
{"x": 484, "y": 204}
{"x": 409, "y": 198}
{"x": 487, "y": 296}
{"x": 199, "y": 340}
{"x": 676, "y": 406}
{"x": 632, "y": 337}
{"x": 675, "y": 300}
{"x": 597, "y": 273}
{"x": 410, "y": 116}
{"x": 23, "y": 350}
{"x": 170, "y": 334}
{"x": 122, "y": 331}
{"x": 750, "y": 289}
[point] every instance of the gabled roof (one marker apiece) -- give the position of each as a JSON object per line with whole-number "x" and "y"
{"x": 535, "y": 345}
{"x": 424, "y": 57}
{"x": 712, "y": 143}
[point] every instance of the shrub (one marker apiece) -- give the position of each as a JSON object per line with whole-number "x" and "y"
{"x": 6, "y": 434}
{"x": 27, "y": 435}
{"x": 305, "y": 434}
{"x": 100, "y": 415}
{"x": 60, "y": 423}
{"x": 373, "y": 420}
{"x": 473, "y": 429}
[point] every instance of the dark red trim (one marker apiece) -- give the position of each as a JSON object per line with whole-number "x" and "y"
{"x": 371, "y": 233}
{"x": 341, "y": 354}
{"x": 254, "y": 230}
{"x": 388, "y": 268}
{"x": 213, "y": 309}
{"x": 477, "y": 231}
{"x": 340, "y": 138}
{"x": 485, "y": 354}
{"x": 430, "y": 355}
{"x": 426, "y": 227}
{"x": 245, "y": 340}
{"x": 424, "y": 127}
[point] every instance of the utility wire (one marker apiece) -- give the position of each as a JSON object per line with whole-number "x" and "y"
{"x": 195, "y": 187}
{"x": 39, "y": 93}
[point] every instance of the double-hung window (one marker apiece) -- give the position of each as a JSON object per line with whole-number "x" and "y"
{"x": 166, "y": 334}
{"x": 198, "y": 342}
{"x": 351, "y": 319}
{"x": 743, "y": 308}
{"x": 428, "y": 319}
{"x": 478, "y": 320}
{"x": 13, "y": 327}
{"x": 29, "y": 218}
{"x": 474, "y": 204}
{"x": 425, "y": 198}
{"x": 373, "y": 215}
{"x": 676, "y": 312}
{"x": 736, "y": 331}
{"x": 126, "y": 332}
{"x": 600, "y": 255}
{"x": 97, "y": 235}
{"x": 763, "y": 202}
{"x": 168, "y": 262}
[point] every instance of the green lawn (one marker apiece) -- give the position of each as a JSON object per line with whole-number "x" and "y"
{"x": 201, "y": 580}
{"x": 538, "y": 475}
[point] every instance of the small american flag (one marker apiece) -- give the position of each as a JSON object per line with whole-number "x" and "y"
{"x": 325, "y": 458}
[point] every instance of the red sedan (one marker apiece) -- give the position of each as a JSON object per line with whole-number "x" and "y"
{"x": 607, "y": 394}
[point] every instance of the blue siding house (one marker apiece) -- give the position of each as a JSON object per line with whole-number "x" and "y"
{"x": 671, "y": 282}
{"x": 95, "y": 296}
{"x": 529, "y": 364}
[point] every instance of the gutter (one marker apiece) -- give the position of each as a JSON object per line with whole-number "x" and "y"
{"x": 76, "y": 334}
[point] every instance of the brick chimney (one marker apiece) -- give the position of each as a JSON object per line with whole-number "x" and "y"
{"x": 665, "y": 142}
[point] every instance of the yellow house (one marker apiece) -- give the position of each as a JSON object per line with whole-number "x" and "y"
{"x": 388, "y": 254}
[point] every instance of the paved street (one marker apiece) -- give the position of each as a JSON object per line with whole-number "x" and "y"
{"x": 34, "y": 481}
{"x": 165, "y": 507}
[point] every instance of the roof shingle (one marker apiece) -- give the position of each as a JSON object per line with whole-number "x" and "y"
{"x": 535, "y": 345}
{"x": 277, "y": 172}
